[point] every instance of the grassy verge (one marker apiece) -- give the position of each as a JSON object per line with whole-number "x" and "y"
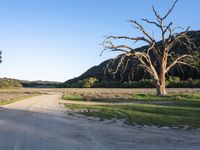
{"x": 174, "y": 110}
{"x": 5, "y": 102}
{"x": 174, "y": 99}
{"x": 8, "y": 89}
{"x": 171, "y": 96}
{"x": 179, "y": 100}
{"x": 143, "y": 114}
{"x": 73, "y": 97}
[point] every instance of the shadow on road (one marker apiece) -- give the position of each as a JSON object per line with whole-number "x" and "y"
{"x": 29, "y": 130}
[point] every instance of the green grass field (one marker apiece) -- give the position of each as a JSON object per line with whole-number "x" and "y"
{"x": 178, "y": 110}
{"x": 73, "y": 97}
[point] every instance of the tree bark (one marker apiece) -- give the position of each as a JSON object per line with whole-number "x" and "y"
{"x": 161, "y": 90}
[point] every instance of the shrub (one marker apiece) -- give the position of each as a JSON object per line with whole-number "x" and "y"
{"x": 9, "y": 83}
{"x": 174, "y": 79}
{"x": 89, "y": 82}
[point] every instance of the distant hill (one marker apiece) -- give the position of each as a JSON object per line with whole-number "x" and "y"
{"x": 15, "y": 83}
{"x": 39, "y": 84}
{"x": 184, "y": 72}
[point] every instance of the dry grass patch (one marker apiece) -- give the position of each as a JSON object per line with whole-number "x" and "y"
{"x": 10, "y": 96}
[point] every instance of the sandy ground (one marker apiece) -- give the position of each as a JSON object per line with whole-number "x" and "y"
{"x": 40, "y": 123}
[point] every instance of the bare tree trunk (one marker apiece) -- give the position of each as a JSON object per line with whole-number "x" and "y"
{"x": 161, "y": 89}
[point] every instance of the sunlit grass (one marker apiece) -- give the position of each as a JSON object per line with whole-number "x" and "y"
{"x": 173, "y": 99}
{"x": 147, "y": 109}
{"x": 5, "y": 102}
{"x": 143, "y": 114}
{"x": 73, "y": 97}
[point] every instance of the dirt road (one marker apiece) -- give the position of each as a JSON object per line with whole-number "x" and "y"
{"x": 39, "y": 123}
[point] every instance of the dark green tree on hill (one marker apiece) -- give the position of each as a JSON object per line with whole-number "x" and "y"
{"x": 158, "y": 57}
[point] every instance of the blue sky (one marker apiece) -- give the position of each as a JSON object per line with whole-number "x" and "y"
{"x": 60, "y": 39}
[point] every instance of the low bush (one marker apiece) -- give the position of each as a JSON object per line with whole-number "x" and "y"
{"x": 9, "y": 83}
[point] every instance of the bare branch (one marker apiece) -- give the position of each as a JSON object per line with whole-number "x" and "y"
{"x": 141, "y": 28}
{"x": 118, "y": 48}
{"x": 110, "y": 64}
{"x": 125, "y": 66}
{"x": 177, "y": 60}
{"x": 167, "y": 28}
{"x": 156, "y": 14}
{"x": 177, "y": 28}
{"x": 119, "y": 64}
{"x": 184, "y": 63}
{"x": 151, "y": 22}
{"x": 128, "y": 38}
{"x": 170, "y": 10}
{"x": 180, "y": 38}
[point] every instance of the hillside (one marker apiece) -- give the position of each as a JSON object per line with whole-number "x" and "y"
{"x": 184, "y": 72}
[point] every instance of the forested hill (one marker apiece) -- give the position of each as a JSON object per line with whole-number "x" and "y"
{"x": 184, "y": 72}
{"x": 14, "y": 83}
{"x": 39, "y": 84}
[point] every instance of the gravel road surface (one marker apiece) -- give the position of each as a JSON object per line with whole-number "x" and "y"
{"x": 40, "y": 123}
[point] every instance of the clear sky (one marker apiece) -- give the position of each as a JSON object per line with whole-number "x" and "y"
{"x": 60, "y": 39}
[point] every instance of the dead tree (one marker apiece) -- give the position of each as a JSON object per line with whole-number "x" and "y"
{"x": 158, "y": 57}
